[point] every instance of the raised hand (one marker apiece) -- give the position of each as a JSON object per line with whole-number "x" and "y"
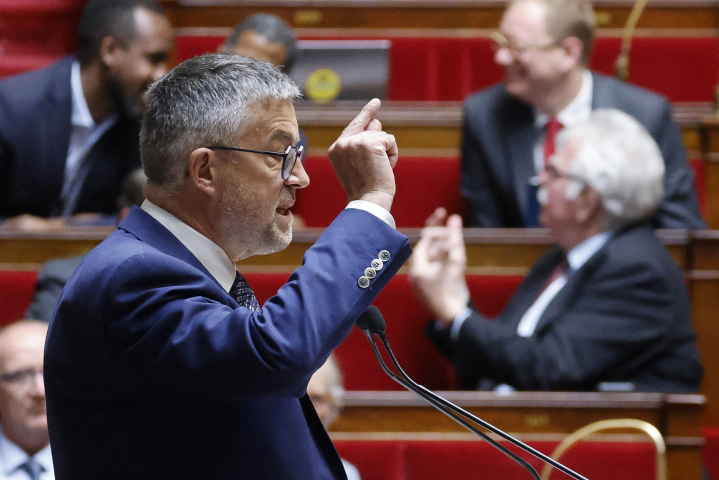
{"x": 363, "y": 157}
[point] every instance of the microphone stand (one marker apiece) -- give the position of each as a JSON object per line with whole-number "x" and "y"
{"x": 621, "y": 67}
{"x": 372, "y": 323}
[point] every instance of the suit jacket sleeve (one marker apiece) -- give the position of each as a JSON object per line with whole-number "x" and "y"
{"x": 679, "y": 208}
{"x": 620, "y": 312}
{"x": 168, "y": 331}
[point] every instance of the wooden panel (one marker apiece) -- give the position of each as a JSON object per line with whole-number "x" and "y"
{"x": 531, "y": 416}
{"x": 424, "y": 14}
{"x": 436, "y": 128}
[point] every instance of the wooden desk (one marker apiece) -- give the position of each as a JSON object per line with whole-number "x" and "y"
{"x": 392, "y": 17}
{"x": 435, "y": 129}
{"x": 531, "y": 416}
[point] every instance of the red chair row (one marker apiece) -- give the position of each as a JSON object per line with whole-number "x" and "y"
{"x": 684, "y": 69}
{"x": 451, "y": 460}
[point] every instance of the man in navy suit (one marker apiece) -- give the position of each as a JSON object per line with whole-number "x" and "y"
{"x": 606, "y": 309}
{"x": 69, "y": 132}
{"x": 544, "y": 47}
{"x": 159, "y": 361}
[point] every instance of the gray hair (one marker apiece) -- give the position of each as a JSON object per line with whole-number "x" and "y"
{"x": 619, "y": 159}
{"x": 274, "y": 29}
{"x": 204, "y": 101}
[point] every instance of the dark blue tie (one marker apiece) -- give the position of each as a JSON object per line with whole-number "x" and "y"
{"x": 242, "y": 292}
{"x": 32, "y": 468}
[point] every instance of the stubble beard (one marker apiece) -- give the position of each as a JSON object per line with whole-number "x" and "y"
{"x": 251, "y": 226}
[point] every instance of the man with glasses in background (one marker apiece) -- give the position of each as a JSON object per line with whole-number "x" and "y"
{"x": 606, "y": 309}
{"x": 510, "y": 129}
{"x": 24, "y": 441}
{"x": 160, "y": 363}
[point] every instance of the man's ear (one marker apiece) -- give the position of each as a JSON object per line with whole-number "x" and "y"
{"x": 573, "y": 49}
{"x": 589, "y": 203}
{"x": 203, "y": 171}
{"x": 110, "y": 48}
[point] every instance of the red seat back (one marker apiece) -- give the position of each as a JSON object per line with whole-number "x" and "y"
{"x": 16, "y": 291}
{"x": 425, "y": 183}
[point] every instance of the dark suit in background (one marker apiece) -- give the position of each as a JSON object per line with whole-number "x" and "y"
{"x": 50, "y": 282}
{"x": 164, "y": 361}
{"x": 35, "y": 127}
{"x": 624, "y": 316}
{"x": 498, "y": 154}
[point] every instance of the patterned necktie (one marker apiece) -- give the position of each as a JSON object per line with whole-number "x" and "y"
{"x": 553, "y": 128}
{"x": 242, "y": 292}
{"x": 32, "y": 468}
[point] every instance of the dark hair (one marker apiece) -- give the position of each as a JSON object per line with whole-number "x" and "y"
{"x": 273, "y": 28}
{"x": 108, "y": 18}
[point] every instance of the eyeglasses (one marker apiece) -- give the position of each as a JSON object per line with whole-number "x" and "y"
{"x": 289, "y": 158}
{"x": 23, "y": 377}
{"x": 516, "y": 48}
{"x": 554, "y": 173}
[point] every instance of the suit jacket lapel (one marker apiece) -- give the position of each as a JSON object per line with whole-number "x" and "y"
{"x": 520, "y": 129}
{"x": 602, "y": 94}
{"x": 142, "y": 225}
{"x": 576, "y": 281}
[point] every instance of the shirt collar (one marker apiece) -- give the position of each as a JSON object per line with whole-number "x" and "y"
{"x": 578, "y": 109}
{"x": 579, "y": 255}
{"x": 12, "y": 456}
{"x": 210, "y": 255}
{"x": 81, "y": 116}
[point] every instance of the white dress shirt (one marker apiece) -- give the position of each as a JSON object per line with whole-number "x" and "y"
{"x": 211, "y": 256}
{"x": 83, "y": 135}
{"x": 576, "y": 112}
{"x": 12, "y": 457}
{"x": 576, "y": 258}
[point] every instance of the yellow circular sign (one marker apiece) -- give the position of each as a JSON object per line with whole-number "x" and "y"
{"x": 323, "y": 85}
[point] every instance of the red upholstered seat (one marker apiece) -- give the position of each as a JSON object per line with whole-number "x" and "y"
{"x": 451, "y": 460}
{"x": 406, "y": 319}
{"x": 449, "y": 69}
{"x": 16, "y": 289}
{"x": 378, "y": 460}
{"x": 15, "y": 64}
{"x": 711, "y": 451}
{"x": 425, "y": 182}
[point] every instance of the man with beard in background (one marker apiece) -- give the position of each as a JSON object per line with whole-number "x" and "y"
{"x": 69, "y": 133}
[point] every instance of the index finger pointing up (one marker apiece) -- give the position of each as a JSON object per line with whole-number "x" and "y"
{"x": 363, "y": 119}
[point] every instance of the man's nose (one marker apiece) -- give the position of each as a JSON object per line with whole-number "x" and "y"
{"x": 298, "y": 178}
{"x": 503, "y": 56}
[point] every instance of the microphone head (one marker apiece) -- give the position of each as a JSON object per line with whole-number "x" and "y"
{"x": 371, "y": 320}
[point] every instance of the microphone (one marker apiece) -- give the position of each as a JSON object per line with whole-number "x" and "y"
{"x": 372, "y": 323}
{"x": 621, "y": 67}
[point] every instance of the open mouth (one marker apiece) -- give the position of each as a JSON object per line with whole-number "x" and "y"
{"x": 283, "y": 211}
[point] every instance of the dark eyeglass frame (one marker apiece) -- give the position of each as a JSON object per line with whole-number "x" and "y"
{"x": 22, "y": 376}
{"x": 288, "y": 160}
{"x": 500, "y": 41}
{"x": 555, "y": 174}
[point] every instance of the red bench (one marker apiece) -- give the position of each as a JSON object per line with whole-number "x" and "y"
{"x": 449, "y": 69}
{"x": 425, "y": 183}
{"x": 438, "y": 460}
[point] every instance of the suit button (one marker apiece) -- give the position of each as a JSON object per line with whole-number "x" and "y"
{"x": 363, "y": 282}
{"x": 370, "y": 272}
{"x": 377, "y": 264}
{"x": 384, "y": 256}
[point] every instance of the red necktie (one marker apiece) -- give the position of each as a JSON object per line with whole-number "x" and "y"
{"x": 553, "y": 127}
{"x": 559, "y": 270}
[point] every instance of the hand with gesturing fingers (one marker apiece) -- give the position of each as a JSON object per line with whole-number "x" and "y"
{"x": 363, "y": 157}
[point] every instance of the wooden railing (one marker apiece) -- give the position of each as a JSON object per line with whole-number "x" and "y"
{"x": 531, "y": 416}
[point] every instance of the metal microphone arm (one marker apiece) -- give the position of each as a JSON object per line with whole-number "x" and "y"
{"x": 445, "y": 407}
{"x": 415, "y": 387}
{"x": 621, "y": 67}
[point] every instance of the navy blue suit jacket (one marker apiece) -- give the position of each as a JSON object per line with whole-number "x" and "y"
{"x": 498, "y": 159}
{"x": 35, "y": 126}
{"x": 153, "y": 371}
{"x": 624, "y": 316}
